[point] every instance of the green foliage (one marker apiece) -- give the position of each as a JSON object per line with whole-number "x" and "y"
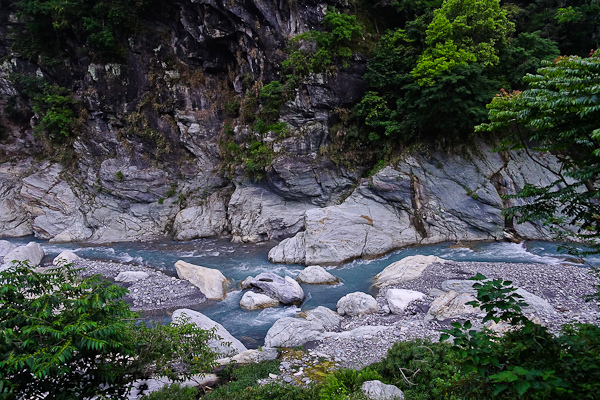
{"x": 75, "y": 337}
{"x": 343, "y": 382}
{"x": 174, "y": 392}
{"x": 119, "y": 176}
{"x": 559, "y": 114}
{"x": 524, "y": 55}
{"x": 421, "y": 369}
{"x": 318, "y": 51}
{"x": 271, "y": 96}
{"x": 56, "y": 110}
{"x": 241, "y": 379}
{"x": 462, "y": 32}
{"x": 100, "y": 25}
{"x": 527, "y": 361}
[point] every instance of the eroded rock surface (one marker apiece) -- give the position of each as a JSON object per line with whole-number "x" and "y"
{"x": 210, "y": 281}
{"x": 226, "y": 345}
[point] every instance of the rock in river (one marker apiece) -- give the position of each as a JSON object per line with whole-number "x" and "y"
{"x": 254, "y": 301}
{"x": 210, "y": 281}
{"x": 316, "y": 275}
{"x": 284, "y": 289}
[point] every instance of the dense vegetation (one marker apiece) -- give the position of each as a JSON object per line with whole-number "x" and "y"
{"x": 74, "y": 337}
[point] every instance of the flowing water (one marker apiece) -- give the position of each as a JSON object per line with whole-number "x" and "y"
{"x": 238, "y": 261}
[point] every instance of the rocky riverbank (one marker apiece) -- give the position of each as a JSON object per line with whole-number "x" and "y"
{"x": 555, "y": 293}
{"x": 150, "y": 291}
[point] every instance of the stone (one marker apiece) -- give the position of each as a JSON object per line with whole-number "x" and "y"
{"x": 377, "y": 390}
{"x": 66, "y": 257}
{"x": 5, "y": 248}
{"x": 292, "y": 332}
{"x": 360, "y": 333}
{"x": 284, "y": 289}
{"x": 450, "y": 305}
{"x": 32, "y": 252}
{"x": 405, "y": 270}
{"x": 398, "y": 299}
{"x": 316, "y": 275}
{"x": 131, "y": 276}
{"x": 226, "y": 345}
{"x": 251, "y": 356}
{"x": 357, "y": 303}
{"x": 56, "y": 208}
{"x": 206, "y": 220}
{"x": 15, "y": 219}
{"x": 148, "y": 386}
{"x": 254, "y": 301}
{"x": 328, "y": 318}
{"x": 425, "y": 198}
{"x": 210, "y": 281}
{"x": 534, "y": 303}
{"x": 257, "y": 214}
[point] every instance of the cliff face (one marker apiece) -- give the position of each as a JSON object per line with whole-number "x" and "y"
{"x": 150, "y": 158}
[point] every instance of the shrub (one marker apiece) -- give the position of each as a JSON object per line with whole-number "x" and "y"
{"x": 174, "y": 392}
{"x": 73, "y": 337}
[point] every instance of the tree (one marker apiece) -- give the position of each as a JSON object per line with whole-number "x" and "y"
{"x": 66, "y": 337}
{"x": 560, "y": 114}
{"x": 463, "y": 32}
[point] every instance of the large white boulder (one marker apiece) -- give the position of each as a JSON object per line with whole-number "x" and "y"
{"x": 329, "y": 318}
{"x": 398, "y": 299}
{"x": 5, "y": 248}
{"x": 32, "y": 252}
{"x": 211, "y": 282}
{"x": 407, "y": 269}
{"x": 66, "y": 257}
{"x": 357, "y": 303}
{"x": 291, "y": 332}
{"x": 226, "y": 346}
{"x": 284, "y": 289}
{"x": 450, "y": 305}
{"x": 317, "y": 275}
{"x": 254, "y": 301}
{"x": 535, "y": 303}
{"x": 377, "y": 390}
{"x": 251, "y": 356}
{"x": 131, "y": 276}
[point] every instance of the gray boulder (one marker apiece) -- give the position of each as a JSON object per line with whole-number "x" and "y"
{"x": 405, "y": 270}
{"x": 450, "y": 305}
{"x": 226, "y": 345}
{"x": 357, "y": 303}
{"x": 291, "y": 332}
{"x": 32, "y": 252}
{"x": 254, "y": 301}
{"x": 5, "y": 248}
{"x": 535, "y": 303}
{"x": 284, "y": 289}
{"x": 377, "y": 390}
{"x": 66, "y": 257}
{"x": 398, "y": 299}
{"x": 323, "y": 315}
{"x": 316, "y": 275}
{"x": 131, "y": 276}
{"x": 251, "y": 356}
{"x": 211, "y": 282}
{"x": 360, "y": 333}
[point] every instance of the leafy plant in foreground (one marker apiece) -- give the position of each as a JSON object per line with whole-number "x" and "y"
{"x": 526, "y": 361}
{"x": 68, "y": 337}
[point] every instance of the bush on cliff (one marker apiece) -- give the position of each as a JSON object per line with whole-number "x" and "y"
{"x": 64, "y": 337}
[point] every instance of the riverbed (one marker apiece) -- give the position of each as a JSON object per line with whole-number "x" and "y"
{"x": 238, "y": 261}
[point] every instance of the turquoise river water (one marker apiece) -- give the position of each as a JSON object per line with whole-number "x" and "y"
{"x": 238, "y": 261}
